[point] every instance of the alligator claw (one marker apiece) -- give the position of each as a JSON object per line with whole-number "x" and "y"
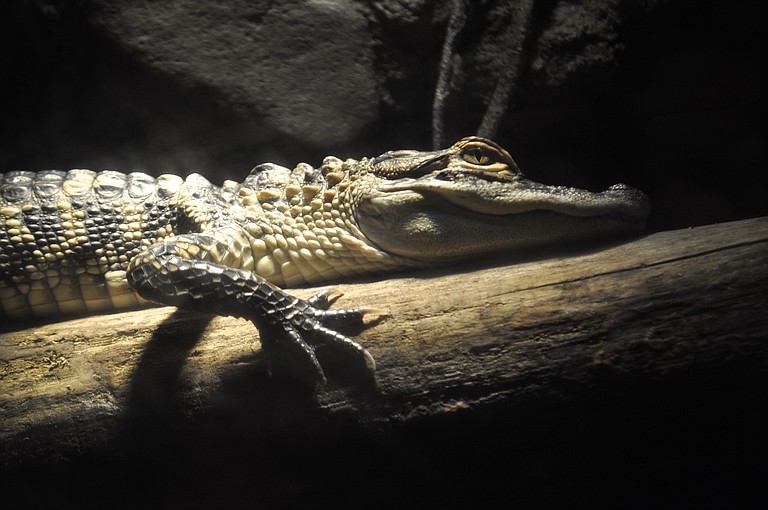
{"x": 291, "y": 353}
{"x": 324, "y": 299}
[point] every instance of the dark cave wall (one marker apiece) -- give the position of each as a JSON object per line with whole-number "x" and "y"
{"x": 664, "y": 95}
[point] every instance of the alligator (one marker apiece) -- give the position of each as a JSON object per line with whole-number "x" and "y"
{"x": 85, "y": 242}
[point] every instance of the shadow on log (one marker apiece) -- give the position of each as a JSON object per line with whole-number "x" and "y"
{"x": 631, "y": 375}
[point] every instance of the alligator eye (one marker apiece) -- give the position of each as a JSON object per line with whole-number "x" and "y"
{"x": 476, "y": 156}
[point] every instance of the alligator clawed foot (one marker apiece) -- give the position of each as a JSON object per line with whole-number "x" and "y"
{"x": 305, "y": 339}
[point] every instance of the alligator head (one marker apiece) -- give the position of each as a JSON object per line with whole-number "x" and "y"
{"x": 472, "y": 198}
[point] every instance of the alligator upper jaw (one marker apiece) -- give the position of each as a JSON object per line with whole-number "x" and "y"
{"x": 519, "y": 195}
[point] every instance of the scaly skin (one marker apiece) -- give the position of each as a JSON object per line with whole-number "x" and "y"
{"x": 83, "y": 242}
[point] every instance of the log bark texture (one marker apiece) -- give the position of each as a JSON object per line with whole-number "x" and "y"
{"x": 529, "y": 341}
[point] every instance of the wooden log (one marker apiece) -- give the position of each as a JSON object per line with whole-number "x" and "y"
{"x": 459, "y": 342}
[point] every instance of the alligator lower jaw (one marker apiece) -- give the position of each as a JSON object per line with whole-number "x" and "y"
{"x": 426, "y": 226}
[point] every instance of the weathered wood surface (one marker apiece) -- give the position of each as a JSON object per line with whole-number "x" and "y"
{"x": 457, "y": 340}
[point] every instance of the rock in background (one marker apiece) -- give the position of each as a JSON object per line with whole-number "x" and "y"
{"x": 665, "y": 95}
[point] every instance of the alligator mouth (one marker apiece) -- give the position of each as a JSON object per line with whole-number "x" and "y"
{"x": 497, "y": 195}
{"x": 444, "y": 217}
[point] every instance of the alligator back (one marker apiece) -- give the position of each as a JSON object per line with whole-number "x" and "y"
{"x": 66, "y": 237}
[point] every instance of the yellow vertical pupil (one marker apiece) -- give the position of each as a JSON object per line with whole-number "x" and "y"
{"x": 476, "y": 156}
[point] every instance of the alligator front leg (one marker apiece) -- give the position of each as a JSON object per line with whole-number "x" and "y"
{"x": 290, "y": 328}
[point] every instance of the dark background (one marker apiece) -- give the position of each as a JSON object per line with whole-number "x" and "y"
{"x": 665, "y": 95}
{"x": 668, "y": 96}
